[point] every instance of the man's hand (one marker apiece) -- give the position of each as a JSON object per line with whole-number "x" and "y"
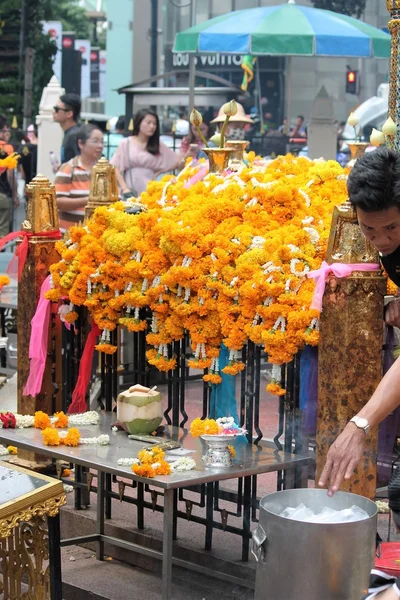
{"x": 343, "y": 457}
{"x": 392, "y": 313}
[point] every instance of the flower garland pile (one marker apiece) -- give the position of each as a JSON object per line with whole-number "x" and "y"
{"x": 72, "y": 437}
{"x": 42, "y": 420}
{"x": 221, "y": 426}
{"x": 6, "y": 450}
{"x": 151, "y": 463}
{"x": 225, "y": 259}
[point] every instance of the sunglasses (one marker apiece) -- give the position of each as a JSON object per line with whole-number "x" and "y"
{"x": 58, "y": 108}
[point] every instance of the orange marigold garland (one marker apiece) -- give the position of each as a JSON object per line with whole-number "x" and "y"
{"x": 41, "y": 420}
{"x": 225, "y": 260}
{"x": 61, "y": 420}
{"x": 152, "y": 463}
{"x": 51, "y": 437}
{"x": 72, "y": 438}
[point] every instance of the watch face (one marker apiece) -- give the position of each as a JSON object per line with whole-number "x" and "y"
{"x": 363, "y": 423}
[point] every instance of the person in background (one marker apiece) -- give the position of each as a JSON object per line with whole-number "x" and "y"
{"x": 72, "y": 181}
{"x": 66, "y": 112}
{"x": 8, "y": 184}
{"x": 141, "y": 157}
{"x": 28, "y": 154}
{"x": 299, "y": 130}
{"x": 167, "y": 136}
{"x": 115, "y": 136}
{"x": 236, "y": 129}
{"x": 283, "y": 129}
{"x": 193, "y": 144}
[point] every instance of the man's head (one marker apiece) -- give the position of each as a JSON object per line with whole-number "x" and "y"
{"x": 299, "y": 120}
{"x": 67, "y": 109}
{"x": 5, "y": 132}
{"x": 374, "y": 191}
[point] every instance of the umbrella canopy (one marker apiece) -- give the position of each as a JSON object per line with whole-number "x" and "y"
{"x": 285, "y": 30}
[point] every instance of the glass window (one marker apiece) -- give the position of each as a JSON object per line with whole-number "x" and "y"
{"x": 241, "y": 4}
{"x": 220, "y": 7}
{"x": 202, "y": 11}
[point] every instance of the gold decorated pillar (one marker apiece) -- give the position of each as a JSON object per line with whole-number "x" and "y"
{"x": 393, "y": 7}
{"x": 350, "y": 350}
{"x": 103, "y": 187}
{"x": 42, "y": 216}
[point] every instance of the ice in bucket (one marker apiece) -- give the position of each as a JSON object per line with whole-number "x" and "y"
{"x": 327, "y": 515}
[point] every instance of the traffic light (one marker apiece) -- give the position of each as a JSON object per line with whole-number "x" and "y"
{"x": 352, "y": 82}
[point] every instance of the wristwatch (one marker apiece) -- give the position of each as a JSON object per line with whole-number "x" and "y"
{"x": 361, "y": 423}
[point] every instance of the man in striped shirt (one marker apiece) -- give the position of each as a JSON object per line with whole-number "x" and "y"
{"x": 72, "y": 181}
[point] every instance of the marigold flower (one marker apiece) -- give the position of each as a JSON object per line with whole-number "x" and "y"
{"x": 232, "y": 451}
{"x": 12, "y": 450}
{"x": 71, "y": 316}
{"x": 203, "y": 426}
{"x": 4, "y": 280}
{"x": 42, "y": 420}
{"x": 106, "y": 348}
{"x": 51, "y": 437}
{"x": 275, "y": 389}
{"x": 72, "y": 438}
{"x": 61, "y": 419}
{"x": 145, "y": 470}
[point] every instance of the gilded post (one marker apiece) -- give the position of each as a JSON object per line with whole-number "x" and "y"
{"x": 350, "y": 351}
{"x": 393, "y": 7}
{"x": 42, "y": 216}
{"x": 103, "y": 187}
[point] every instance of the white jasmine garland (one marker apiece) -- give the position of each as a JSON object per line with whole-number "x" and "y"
{"x": 68, "y": 488}
{"x": 305, "y": 196}
{"x": 183, "y": 463}
{"x": 313, "y": 233}
{"x": 3, "y": 451}
{"x": 293, "y": 267}
{"x": 114, "y": 428}
{"x": 127, "y": 462}
{"x": 101, "y": 440}
{"x": 91, "y": 417}
{"x": 23, "y": 421}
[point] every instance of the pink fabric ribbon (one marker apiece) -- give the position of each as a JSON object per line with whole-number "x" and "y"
{"x": 201, "y": 173}
{"x": 38, "y": 342}
{"x": 339, "y": 270}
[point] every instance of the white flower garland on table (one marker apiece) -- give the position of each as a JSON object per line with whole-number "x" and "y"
{"x": 101, "y": 440}
{"x": 127, "y": 462}
{"x": 184, "y": 463}
{"x": 91, "y": 417}
{"x": 5, "y": 450}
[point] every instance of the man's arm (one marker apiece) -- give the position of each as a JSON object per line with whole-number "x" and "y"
{"x": 347, "y": 450}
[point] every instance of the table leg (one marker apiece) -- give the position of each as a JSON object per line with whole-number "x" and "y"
{"x": 246, "y": 518}
{"x": 209, "y": 515}
{"x": 167, "y": 545}
{"x": 100, "y": 514}
{"x": 55, "y": 557}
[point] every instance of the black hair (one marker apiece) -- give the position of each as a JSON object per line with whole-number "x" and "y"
{"x": 84, "y": 132}
{"x": 120, "y": 124}
{"x": 153, "y": 144}
{"x": 3, "y": 122}
{"x": 300, "y": 117}
{"x": 374, "y": 181}
{"x": 73, "y": 102}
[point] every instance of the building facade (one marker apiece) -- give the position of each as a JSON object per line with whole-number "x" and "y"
{"x": 308, "y": 74}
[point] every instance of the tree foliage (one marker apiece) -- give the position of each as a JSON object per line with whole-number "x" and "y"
{"x": 12, "y": 31}
{"x": 353, "y": 8}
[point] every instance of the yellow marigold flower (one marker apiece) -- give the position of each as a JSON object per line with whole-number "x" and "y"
{"x": 162, "y": 468}
{"x": 204, "y": 426}
{"x": 232, "y": 451}
{"x": 66, "y": 472}
{"x": 51, "y": 437}
{"x": 41, "y": 420}
{"x": 71, "y": 316}
{"x": 275, "y": 389}
{"x": 4, "y": 280}
{"x": 72, "y": 438}
{"x": 145, "y": 470}
{"x": 61, "y": 419}
{"x": 106, "y": 348}
{"x": 12, "y": 450}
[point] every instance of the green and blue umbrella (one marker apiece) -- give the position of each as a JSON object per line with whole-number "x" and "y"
{"x": 285, "y": 30}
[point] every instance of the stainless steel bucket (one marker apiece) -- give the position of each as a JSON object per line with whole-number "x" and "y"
{"x": 313, "y": 561}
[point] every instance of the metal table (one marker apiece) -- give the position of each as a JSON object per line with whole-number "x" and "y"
{"x": 25, "y": 498}
{"x": 250, "y": 460}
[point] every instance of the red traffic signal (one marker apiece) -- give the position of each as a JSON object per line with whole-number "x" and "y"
{"x": 352, "y": 82}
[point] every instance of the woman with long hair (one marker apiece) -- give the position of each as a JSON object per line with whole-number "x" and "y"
{"x": 140, "y": 157}
{"x": 72, "y": 181}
